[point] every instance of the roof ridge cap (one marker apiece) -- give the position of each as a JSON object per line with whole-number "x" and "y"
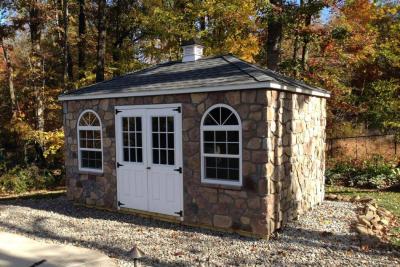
{"x": 233, "y": 63}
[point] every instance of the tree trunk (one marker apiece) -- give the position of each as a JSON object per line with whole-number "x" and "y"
{"x": 274, "y": 37}
{"x": 10, "y": 73}
{"x": 101, "y": 40}
{"x": 82, "y": 40}
{"x": 65, "y": 45}
{"x": 306, "y": 40}
{"x": 294, "y": 56}
{"x": 37, "y": 68}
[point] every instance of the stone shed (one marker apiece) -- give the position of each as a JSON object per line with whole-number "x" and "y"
{"x": 213, "y": 142}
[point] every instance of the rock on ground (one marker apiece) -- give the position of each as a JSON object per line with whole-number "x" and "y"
{"x": 323, "y": 236}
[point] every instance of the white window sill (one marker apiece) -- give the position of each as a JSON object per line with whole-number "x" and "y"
{"x": 222, "y": 186}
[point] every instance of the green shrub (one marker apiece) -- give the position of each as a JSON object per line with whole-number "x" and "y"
{"x": 373, "y": 173}
{"x": 19, "y": 180}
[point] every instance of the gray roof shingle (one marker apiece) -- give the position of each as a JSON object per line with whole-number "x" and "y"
{"x": 207, "y": 72}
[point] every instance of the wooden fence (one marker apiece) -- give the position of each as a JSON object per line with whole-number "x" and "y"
{"x": 362, "y": 147}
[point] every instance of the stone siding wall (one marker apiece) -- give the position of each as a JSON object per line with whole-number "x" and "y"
{"x": 296, "y": 155}
{"x": 283, "y": 139}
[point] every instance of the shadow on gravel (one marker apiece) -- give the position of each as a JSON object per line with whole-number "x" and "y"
{"x": 333, "y": 241}
{"x": 346, "y": 243}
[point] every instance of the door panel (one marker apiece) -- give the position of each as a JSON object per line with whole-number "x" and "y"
{"x": 149, "y": 153}
{"x": 165, "y": 182}
{"x": 131, "y": 158}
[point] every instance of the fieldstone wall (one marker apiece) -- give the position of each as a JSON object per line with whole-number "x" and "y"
{"x": 296, "y": 155}
{"x": 283, "y": 159}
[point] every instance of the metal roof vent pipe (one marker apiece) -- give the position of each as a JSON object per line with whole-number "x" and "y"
{"x": 192, "y": 50}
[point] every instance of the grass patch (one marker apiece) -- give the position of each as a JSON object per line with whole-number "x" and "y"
{"x": 385, "y": 199}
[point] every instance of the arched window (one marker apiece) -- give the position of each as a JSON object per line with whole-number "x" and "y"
{"x": 90, "y": 148}
{"x": 221, "y": 146}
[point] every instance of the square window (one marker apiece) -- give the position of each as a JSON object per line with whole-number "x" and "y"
{"x": 211, "y": 162}
{"x": 222, "y": 173}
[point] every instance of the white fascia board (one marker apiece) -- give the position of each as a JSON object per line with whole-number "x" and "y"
{"x": 243, "y": 86}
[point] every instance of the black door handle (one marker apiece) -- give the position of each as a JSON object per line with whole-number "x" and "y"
{"x": 178, "y": 170}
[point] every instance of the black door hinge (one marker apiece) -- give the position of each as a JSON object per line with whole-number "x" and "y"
{"x": 117, "y": 111}
{"x": 120, "y": 204}
{"x": 180, "y": 213}
{"x": 119, "y": 165}
{"x": 178, "y": 109}
{"x": 178, "y": 170}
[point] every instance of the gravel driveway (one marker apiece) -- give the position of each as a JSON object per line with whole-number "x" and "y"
{"x": 321, "y": 237}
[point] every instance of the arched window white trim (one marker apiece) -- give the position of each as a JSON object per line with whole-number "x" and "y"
{"x": 90, "y": 142}
{"x": 221, "y": 146}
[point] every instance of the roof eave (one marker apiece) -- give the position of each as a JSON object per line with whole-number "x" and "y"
{"x": 243, "y": 86}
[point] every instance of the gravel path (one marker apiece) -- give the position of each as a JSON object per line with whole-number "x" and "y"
{"x": 321, "y": 237}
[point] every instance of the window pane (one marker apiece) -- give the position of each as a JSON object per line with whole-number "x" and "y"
{"x": 234, "y": 174}
{"x": 233, "y": 163}
{"x": 210, "y": 121}
{"x": 163, "y": 156}
{"x": 233, "y": 149}
{"x": 163, "y": 140}
{"x": 138, "y": 124}
{"x": 155, "y": 140}
{"x": 232, "y": 120}
{"x": 132, "y": 124}
{"x": 171, "y": 140}
{"x": 211, "y": 162}
{"x": 233, "y": 136}
{"x": 125, "y": 141}
{"x": 220, "y": 136}
{"x": 222, "y": 162}
{"x": 209, "y": 148}
{"x": 208, "y": 136}
{"x": 222, "y": 174}
{"x": 154, "y": 123}
{"x": 132, "y": 139}
{"x": 91, "y": 159}
{"x": 139, "y": 139}
{"x": 211, "y": 173}
{"x": 139, "y": 155}
{"x": 216, "y": 114}
{"x": 220, "y": 148}
{"x": 170, "y": 124}
{"x": 171, "y": 159}
{"x": 126, "y": 154}
{"x": 225, "y": 114}
{"x": 125, "y": 124}
{"x": 132, "y": 153}
{"x": 163, "y": 124}
{"x": 156, "y": 156}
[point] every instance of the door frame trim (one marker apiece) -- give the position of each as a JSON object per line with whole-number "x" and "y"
{"x": 151, "y": 106}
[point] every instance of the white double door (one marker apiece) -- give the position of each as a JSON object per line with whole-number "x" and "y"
{"x": 149, "y": 159}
